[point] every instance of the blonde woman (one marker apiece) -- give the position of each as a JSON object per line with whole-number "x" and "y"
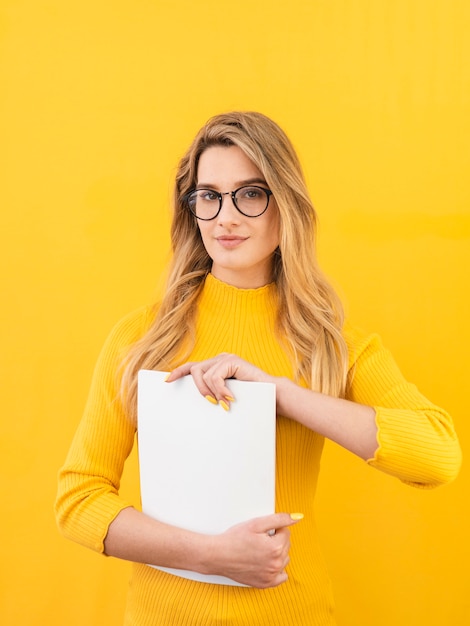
{"x": 245, "y": 299}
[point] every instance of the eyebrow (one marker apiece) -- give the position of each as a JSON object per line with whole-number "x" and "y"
{"x": 240, "y": 183}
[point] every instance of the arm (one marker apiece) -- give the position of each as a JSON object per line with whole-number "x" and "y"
{"x": 350, "y": 424}
{"x": 417, "y": 440}
{"x": 90, "y": 511}
{"x": 249, "y": 553}
{"x": 384, "y": 420}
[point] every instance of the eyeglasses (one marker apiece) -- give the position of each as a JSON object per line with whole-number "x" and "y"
{"x": 250, "y": 201}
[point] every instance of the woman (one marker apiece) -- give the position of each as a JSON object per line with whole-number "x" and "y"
{"x": 245, "y": 299}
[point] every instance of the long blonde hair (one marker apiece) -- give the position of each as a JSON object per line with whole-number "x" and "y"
{"x": 310, "y": 315}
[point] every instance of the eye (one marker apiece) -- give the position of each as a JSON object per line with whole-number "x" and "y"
{"x": 247, "y": 194}
{"x": 208, "y": 195}
{"x": 251, "y": 193}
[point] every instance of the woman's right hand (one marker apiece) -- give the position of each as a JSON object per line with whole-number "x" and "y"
{"x": 255, "y": 552}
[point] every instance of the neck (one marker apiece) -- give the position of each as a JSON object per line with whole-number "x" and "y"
{"x": 251, "y": 279}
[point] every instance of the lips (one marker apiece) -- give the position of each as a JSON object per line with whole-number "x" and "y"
{"x": 230, "y": 241}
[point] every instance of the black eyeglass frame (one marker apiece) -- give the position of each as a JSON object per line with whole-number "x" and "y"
{"x": 232, "y": 194}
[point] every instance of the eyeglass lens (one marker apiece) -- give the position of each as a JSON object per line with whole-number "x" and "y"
{"x": 252, "y": 201}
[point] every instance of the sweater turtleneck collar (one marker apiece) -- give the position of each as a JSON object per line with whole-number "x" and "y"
{"x": 223, "y": 296}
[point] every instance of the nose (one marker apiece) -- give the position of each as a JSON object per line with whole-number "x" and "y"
{"x": 228, "y": 211}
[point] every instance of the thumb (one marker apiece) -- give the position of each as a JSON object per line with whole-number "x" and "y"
{"x": 270, "y": 523}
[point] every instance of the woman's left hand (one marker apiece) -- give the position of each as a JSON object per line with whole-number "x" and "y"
{"x": 210, "y": 376}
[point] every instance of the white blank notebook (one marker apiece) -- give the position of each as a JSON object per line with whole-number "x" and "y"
{"x": 203, "y": 468}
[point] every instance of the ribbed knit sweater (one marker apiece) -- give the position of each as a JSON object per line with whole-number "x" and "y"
{"x": 417, "y": 443}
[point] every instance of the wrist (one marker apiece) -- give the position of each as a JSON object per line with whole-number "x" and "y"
{"x": 284, "y": 392}
{"x": 208, "y": 554}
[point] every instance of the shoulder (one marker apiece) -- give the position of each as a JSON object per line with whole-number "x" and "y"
{"x": 128, "y": 330}
{"x": 131, "y": 327}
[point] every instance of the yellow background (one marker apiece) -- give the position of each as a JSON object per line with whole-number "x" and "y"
{"x": 98, "y": 100}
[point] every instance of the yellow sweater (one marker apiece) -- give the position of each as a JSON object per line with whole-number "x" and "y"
{"x": 417, "y": 444}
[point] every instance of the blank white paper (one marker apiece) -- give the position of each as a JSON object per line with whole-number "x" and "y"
{"x": 203, "y": 468}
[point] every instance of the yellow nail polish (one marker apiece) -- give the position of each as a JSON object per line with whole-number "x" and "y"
{"x": 211, "y": 399}
{"x": 224, "y": 405}
{"x": 297, "y": 516}
{"x": 167, "y": 377}
{"x": 229, "y": 399}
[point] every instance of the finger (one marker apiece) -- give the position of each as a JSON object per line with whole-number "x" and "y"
{"x": 280, "y": 578}
{"x": 188, "y": 367}
{"x": 220, "y": 368}
{"x": 179, "y": 372}
{"x": 216, "y": 382}
{"x": 274, "y": 522}
{"x": 203, "y": 384}
{"x": 209, "y": 385}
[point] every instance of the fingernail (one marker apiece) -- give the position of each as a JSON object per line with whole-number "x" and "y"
{"x": 224, "y": 405}
{"x": 229, "y": 399}
{"x": 297, "y": 516}
{"x": 211, "y": 399}
{"x": 167, "y": 377}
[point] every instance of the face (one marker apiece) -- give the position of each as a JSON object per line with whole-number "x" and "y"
{"x": 241, "y": 248}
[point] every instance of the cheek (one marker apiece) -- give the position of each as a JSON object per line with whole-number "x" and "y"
{"x": 275, "y": 232}
{"x": 204, "y": 232}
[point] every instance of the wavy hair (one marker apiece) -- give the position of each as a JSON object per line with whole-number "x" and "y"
{"x": 310, "y": 314}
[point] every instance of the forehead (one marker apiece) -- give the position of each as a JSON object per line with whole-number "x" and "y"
{"x": 226, "y": 165}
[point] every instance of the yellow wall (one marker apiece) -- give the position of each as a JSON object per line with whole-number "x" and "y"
{"x": 97, "y": 102}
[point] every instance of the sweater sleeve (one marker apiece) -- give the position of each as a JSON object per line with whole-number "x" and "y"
{"x": 88, "y": 490}
{"x": 417, "y": 442}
